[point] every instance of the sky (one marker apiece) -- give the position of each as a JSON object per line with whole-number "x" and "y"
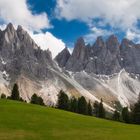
{"x": 56, "y": 24}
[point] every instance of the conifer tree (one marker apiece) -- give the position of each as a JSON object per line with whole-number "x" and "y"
{"x": 36, "y": 100}
{"x": 73, "y": 105}
{"x": 125, "y": 115}
{"x": 3, "y": 96}
{"x": 82, "y": 106}
{"x": 89, "y": 109}
{"x": 63, "y": 100}
{"x": 15, "y": 93}
{"x": 116, "y": 116}
{"x": 96, "y": 108}
{"x": 136, "y": 112}
{"x": 101, "y": 110}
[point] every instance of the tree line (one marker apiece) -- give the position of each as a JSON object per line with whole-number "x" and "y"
{"x": 129, "y": 115}
{"x": 82, "y": 106}
{"x": 15, "y": 95}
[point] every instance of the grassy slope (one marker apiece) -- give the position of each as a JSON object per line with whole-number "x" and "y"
{"x": 20, "y": 121}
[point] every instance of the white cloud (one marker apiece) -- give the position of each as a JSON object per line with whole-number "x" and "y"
{"x": 18, "y": 12}
{"x": 48, "y": 41}
{"x": 95, "y": 32}
{"x": 133, "y": 35}
{"x": 118, "y": 13}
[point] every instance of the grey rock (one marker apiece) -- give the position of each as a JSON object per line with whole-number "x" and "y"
{"x": 22, "y": 55}
{"x": 63, "y": 57}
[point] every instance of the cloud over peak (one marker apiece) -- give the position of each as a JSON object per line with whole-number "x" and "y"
{"x": 19, "y": 13}
{"x": 118, "y": 13}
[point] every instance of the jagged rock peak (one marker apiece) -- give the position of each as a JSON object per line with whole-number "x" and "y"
{"x": 49, "y": 52}
{"x": 113, "y": 44}
{"x": 99, "y": 42}
{"x": 80, "y": 41}
{"x": 113, "y": 39}
{"x": 126, "y": 42}
{"x": 19, "y": 28}
{"x": 10, "y": 27}
{"x": 63, "y": 57}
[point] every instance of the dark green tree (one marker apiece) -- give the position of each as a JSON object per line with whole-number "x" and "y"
{"x": 73, "y": 105}
{"x": 40, "y": 101}
{"x": 125, "y": 115}
{"x": 3, "y": 96}
{"x": 89, "y": 109}
{"x": 101, "y": 110}
{"x": 82, "y": 106}
{"x": 136, "y": 112}
{"x": 15, "y": 93}
{"x": 63, "y": 100}
{"x": 96, "y": 108}
{"x": 36, "y": 100}
{"x": 116, "y": 116}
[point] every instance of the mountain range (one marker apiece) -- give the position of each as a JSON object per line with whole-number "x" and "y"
{"x": 107, "y": 69}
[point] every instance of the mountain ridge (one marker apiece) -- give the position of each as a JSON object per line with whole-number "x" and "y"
{"x": 105, "y": 57}
{"x": 93, "y": 72}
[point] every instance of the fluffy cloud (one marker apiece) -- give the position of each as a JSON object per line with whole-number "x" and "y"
{"x": 48, "y": 41}
{"x": 133, "y": 35}
{"x": 118, "y": 13}
{"x": 19, "y": 13}
{"x": 95, "y": 32}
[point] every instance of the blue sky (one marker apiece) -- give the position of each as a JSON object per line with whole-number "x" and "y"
{"x": 55, "y": 24}
{"x": 68, "y": 31}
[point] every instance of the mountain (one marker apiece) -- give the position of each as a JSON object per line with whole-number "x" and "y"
{"x": 105, "y": 57}
{"x": 107, "y": 69}
{"x": 63, "y": 57}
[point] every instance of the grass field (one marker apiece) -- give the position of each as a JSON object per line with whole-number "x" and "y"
{"x": 21, "y": 121}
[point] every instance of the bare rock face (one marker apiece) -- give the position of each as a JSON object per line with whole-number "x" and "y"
{"x": 78, "y": 59}
{"x": 63, "y": 57}
{"x": 130, "y": 55}
{"x": 104, "y": 57}
{"x": 22, "y": 61}
{"x": 20, "y": 54}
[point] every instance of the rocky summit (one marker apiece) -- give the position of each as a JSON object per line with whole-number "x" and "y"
{"x": 107, "y": 69}
{"x": 104, "y": 57}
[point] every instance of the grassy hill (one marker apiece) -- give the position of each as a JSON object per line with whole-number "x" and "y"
{"x": 21, "y": 121}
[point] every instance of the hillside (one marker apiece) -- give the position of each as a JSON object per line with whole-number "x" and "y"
{"x": 31, "y": 122}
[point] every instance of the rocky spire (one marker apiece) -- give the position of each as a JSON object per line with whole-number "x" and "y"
{"x": 63, "y": 57}
{"x": 99, "y": 42}
{"x": 113, "y": 44}
{"x": 10, "y": 33}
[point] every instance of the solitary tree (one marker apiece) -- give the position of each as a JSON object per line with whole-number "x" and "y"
{"x": 82, "y": 106}
{"x": 116, "y": 116}
{"x": 63, "y": 100}
{"x": 15, "y": 93}
{"x": 101, "y": 110}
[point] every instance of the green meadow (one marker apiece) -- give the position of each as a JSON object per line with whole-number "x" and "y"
{"x": 22, "y": 121}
